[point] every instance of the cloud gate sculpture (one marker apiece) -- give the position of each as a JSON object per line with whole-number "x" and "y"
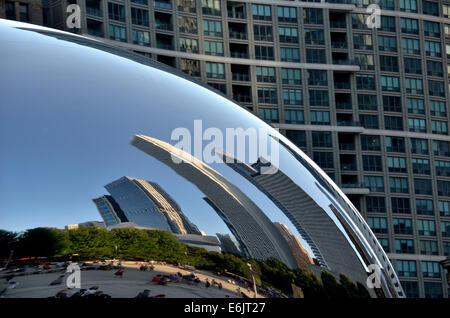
{"x": 77, "y": 114}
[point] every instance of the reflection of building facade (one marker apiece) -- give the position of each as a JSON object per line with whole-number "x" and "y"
{"x": 109, "y": 210}
{"x": 301, "y": 254}
{"x": 24, "y": 10}
{"x": 147, "y": 204}
{"x": 229, "y": 244}
{"x": 86, "y": 224}
{"x": 253, "y": 227}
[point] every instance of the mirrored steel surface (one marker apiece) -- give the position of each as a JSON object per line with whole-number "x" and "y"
{"x": 78, "y": 112}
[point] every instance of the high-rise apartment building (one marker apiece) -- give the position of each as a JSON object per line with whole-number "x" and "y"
{"x": 369, "y": 104}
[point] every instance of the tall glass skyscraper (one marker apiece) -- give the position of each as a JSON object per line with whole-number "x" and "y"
{"x": 369, "y": 103}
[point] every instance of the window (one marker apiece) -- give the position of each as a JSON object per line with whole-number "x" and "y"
{"x": 375, "y": 205}
{"x": 369, "y": 121}
{"x": 292, "y": 97}
{"x": 442, "y": 168}
{"x": 404, "y": 246}
{"x": 441, "y": 148}
{"x": 423, "y": 186}
{"x": 433, "y": 290}
{"x": 187, "y": 24}
{"x": 431, "y": 29}
{"x": 437, "y": 108}
{"x": 406, "y": 268}
{"x": 313, "y": 16}
{"x": 287, "y": 14}
{"x": 434, "y": 68}
{"x": 365, "y": 81}
{"x": 414, "y": 86}
{"x": 419, "y": 146}
{"x": 268, "y": 115}
{"x": 410, "y": 46}
{"x": 211, "y": 7}
{"x": 367, "y": 102}
{"x": 10, "y": 10}
{"x": 139, "y": 16}
{"x": 314, "y": 36}
{"x": 387, "y": 23}
{"x": 411, "y": 289}
{"x": 320, "y": 118}
{"x": 444, "y": 208}
{"x": 322, "y": 139}
{"x": 370, "y": 143}
{"x": 267, "y": 95}
{"x": 384, "y": 242}
{"x": 439, "y": 127}
{"x": 298, "y": 137}
{"x": 377, "y": 225}
{"x": 185, "y": 5}
{"x": 141, "y": 37}
{"x": 395, "y": 144}
{"x": 317, "y": 78}
{"x": 374, "y": 183}
{"x": 408, "y": 5}
{"x": 365, "y": 61}
{"x": 387, "y": 43}
{"x": 315, "y": 56}
{"x": 430, "y": 269}
{"x": 426, "y": 227}
{"x": 212, "y": 28}
{"x": 215, "y": 70}
{"x": 291, "y": 76}
{"x": 264, "y": 52}
{"x": 424, "y": 207}
{"x": 433, "y": 49}
{"x": 445, "y": 228}
{"x": 261, "y": 12}
{"x": 392, "y": 104}
{"x": 446, "y": 248}
{"x": 116, "y": 12}
{"x": 398, "y": 185}
{"x": 415, "y": 106}
{"x": 430, "y": 8}
{"x": 288, "y": 35}
{"x": 446, "y": 10}
{"x": 263, "y": 33}
{"x": 359, "y": 21}
{"x": 428, "y": 248}
{"x": 318, "y": 98}
{"x": 294, "y": 117}
{"x": 289, "y": 54}
{"x": 360, "y": 41}
{"x": 265, "y": 74}
{"x": 402, "y": 226}
{"x": 324, "y": 159}
{"x": 393, "y": 123}
{"x": 417, "y": 125}
{"x": 213, "y": 48}
{"x": 372, "y": 163}
{"x": 23, "y": 12}
{"x": 436, "y": 88}
{"x": 389, "y": 63}
{"x": 400, "y": 205}
{"x": 410, "y": 26}
{"x": 396, "y": 164}
{"x": 420, "y": 166}
{"x": 117, "y": 33}
{"x": 413, "y": 66}
{"x": 443, "y": 188}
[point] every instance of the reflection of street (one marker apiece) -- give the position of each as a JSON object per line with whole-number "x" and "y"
{"x": 132, "y": 283}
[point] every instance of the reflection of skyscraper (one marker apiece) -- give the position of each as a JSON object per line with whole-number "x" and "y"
{"x": 109, "y": 210}
{"x": 301, "y": 254}
{"x": 229, "y": 244}
{"x": 147, "y": 204}
{"x": 252, "y": 226}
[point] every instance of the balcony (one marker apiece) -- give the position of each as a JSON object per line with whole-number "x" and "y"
{"x": 236, "y": 10}
{"x": 167, "y": 5}
{"x": 237, "y": 31}
{"x": 239, "y": 50}
{"x": 94, "y": 12}
{"x": 355, "y": 189}
{"x": 238, "y": 35}
{"x": 242, "y": 93}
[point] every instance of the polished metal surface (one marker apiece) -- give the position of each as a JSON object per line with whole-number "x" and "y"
{"x": 77, "y": 114}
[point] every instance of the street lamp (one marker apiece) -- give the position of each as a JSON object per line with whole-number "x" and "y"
{"x": 253, "y": 278}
